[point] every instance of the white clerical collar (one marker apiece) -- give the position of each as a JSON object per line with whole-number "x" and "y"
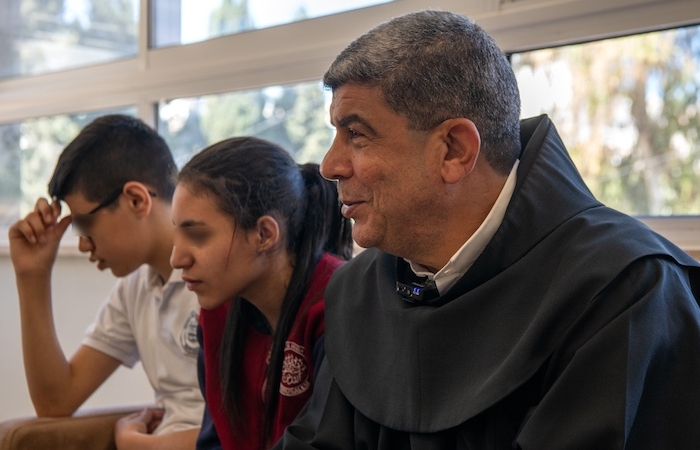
{"x": 463, "y": 259}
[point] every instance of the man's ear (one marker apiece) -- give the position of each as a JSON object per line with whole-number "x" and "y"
{"x": 267, "y": 233}
{"x": 139, "y": 198}
{"x": 462, "y": 145}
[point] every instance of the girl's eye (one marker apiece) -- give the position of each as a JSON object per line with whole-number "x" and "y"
{"x": 197, "y": 236}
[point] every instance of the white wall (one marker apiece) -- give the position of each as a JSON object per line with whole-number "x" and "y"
{"x": 79, "y": 289}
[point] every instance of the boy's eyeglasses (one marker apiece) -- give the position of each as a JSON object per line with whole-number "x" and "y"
{"x": 108, "y": 201}
{"x": 82, "y": 222}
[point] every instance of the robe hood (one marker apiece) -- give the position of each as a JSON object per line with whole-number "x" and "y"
{"x": 422, "y": 369}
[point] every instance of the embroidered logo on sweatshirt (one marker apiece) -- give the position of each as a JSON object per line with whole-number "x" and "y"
{"x": 295, "y": 373}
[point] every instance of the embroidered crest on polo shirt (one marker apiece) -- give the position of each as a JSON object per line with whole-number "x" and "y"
{"x": 295, "y": 373}
{"x": 188, "y": 335}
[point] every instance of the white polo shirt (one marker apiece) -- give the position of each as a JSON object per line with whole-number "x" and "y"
{"x": 144, "y": 319}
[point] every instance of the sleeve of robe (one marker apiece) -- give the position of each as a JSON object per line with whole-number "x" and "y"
{"x": 630, "y": 381}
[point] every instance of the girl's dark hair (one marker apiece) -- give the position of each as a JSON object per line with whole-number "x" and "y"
{"x": 248, "y": 178}
{"x": 336, "y": 228}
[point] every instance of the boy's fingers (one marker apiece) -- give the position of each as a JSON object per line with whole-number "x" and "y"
{"x": 26, "y": 231}
{"x": 34, "y": 228}
{"x": 63, "y": 225}
{"x": 46, "y": 211}
{"x": 40, "y": 203}
{"x": 56, "y": 207}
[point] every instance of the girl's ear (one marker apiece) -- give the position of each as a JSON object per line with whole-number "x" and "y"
{"x": 139, "y": 197}
{"x": 267, "y": 233}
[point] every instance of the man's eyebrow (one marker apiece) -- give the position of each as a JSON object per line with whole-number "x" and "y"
{"x": 355, "y": 118}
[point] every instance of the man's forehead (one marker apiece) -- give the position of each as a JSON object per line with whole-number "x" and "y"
{"x": 357, "y": 91}
{"x": 355, "y": 100}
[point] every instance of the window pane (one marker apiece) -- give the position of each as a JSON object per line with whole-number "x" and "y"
{"x": 295, "y": 117}
{"x": 627, "y": 108}
{"x": 28, "y": 154}
{"x": 40, "y": 36}
{"x": 184, "y": 21}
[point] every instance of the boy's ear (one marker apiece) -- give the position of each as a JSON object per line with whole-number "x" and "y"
{"x": 139, "y": 198}
{"x": 267, "y": 233}
{"x": 462, "y": 146}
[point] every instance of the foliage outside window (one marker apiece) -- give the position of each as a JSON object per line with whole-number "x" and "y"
{"x": 28, "y": 154}
{"x": 628, "y": 110}
{"x": 185, "y": 21}
{"x": 41, "y": 36}
{"x": 294, "y": 117}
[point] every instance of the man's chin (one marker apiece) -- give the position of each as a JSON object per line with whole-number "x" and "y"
{"x": 364, "y": 237}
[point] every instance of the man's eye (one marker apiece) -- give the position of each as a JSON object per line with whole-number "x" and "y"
{"x": 354, "y": 133}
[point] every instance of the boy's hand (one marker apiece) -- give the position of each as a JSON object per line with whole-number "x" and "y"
{"x": 129, "y": 429}
{"x": 34, "y": 240}
{"x": 134, "y": 432}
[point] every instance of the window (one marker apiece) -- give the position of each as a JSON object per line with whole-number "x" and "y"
{"x": 628, "y": 110}
{"x": 178, "y": 62}
{"x": 185, "y": 21}
{"x": 294, "y": 117}
{"x": 41, "y": 36}
{"x": 28, "y": 154}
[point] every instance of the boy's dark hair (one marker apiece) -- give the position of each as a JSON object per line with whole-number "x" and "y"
{"x": 110, "y": 151}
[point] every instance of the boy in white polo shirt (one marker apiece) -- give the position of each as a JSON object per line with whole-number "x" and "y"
{"x": 117, "y": 177}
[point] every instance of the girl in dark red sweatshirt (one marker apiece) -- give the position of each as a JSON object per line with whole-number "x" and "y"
{"x": 251, "y": 230}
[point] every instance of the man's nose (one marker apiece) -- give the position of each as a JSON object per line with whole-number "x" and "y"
{"x": 336, "y": 163}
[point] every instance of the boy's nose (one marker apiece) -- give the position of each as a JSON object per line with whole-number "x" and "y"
{"x": 85, "y": 244}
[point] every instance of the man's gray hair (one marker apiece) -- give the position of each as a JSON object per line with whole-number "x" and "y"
{"x": 436, "y": 65}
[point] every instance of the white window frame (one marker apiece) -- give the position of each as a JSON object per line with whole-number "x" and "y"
{"x": 301, "y": 51}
